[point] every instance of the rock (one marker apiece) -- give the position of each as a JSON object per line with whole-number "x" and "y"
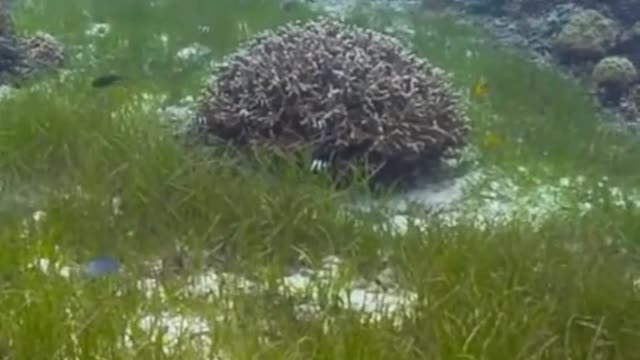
{"x": 478, "y": 6}
{"x": 6, "y": 22}
{"x": 631, "y": 103}
{"x": 628, "y": 11}
{"x": 530, "y": 7}
{"x": 193, "y": 54}
{"x": 9, "y": 59}
{"x": 42, "y": 52}
{"x": 22, "y": 57}
{"x": 629, "y": 43}
{"x": 540, "y": 30}
{"x": 434, "y": 5}
{"x": 631, "y": 34}
{"x": 588, "y": 34}
{"x": 9, "y": 50}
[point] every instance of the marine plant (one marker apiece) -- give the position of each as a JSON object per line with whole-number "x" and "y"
{"x": 346, "y": 94}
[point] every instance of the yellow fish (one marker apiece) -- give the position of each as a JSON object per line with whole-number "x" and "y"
{"x": 480, "y": 88}
{"x": 493, "y": 140}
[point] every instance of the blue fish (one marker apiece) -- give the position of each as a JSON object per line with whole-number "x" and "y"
{"x": 101, "y": 266}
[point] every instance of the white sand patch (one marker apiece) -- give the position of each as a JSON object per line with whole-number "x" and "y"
{"x": 307, "y": 284}
{"x": 50, "y": 267}
{"x": 171, "y": 326}
{"x": 483, "y": 200}
{"x": 98, "y": 30}
{"x": 6, "y": 92}
{"x": 175, "y": 332}
{"x": 192, "y": 54}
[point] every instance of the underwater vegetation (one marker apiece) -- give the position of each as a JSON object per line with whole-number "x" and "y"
{"x": 122, "y": 238}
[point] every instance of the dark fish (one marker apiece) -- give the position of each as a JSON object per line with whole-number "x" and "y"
{"x": 106, "y": 80}
{"x": 101, "y": 266}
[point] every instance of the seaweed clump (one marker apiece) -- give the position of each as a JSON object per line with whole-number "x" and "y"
{"x": 345, "y": 94}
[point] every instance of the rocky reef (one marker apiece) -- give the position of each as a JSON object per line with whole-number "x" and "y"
{"x": 23, "y": 57}
{"x": 596, "y": 41}
{"x": 345, "y": 94}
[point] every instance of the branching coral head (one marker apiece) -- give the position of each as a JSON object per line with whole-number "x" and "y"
{"x": 352, "y": 95}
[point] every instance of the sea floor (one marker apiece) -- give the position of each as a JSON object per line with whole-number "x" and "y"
{"x": 178, "y": 309}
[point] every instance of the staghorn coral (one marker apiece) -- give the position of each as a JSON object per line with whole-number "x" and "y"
{"x": 348, "y": 93}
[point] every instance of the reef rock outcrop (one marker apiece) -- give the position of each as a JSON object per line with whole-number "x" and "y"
{"x": 22, "y": 57}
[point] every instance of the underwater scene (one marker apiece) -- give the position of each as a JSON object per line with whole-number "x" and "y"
{"x": 320, "y": 179}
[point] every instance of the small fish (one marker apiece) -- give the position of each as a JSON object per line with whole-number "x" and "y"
{"x": 106, "y": 80}
{"x": 493, "y": 140}
{"x": 101, "y": 266}
{"x": 480, "y": 88}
